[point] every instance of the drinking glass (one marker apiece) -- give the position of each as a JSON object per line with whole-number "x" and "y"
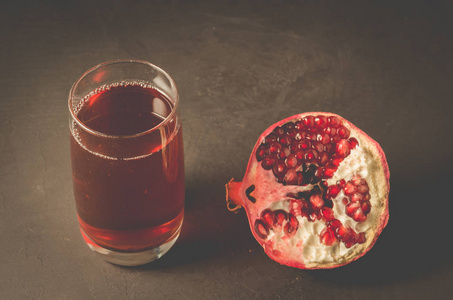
{"x": 127, "y": 160}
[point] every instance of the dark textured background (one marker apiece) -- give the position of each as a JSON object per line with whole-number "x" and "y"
{"x": 240, "y": 66}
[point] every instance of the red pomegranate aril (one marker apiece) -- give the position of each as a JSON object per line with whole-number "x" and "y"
{"x": 261, "y": 230}
{"x": 279, "y": 169}
{"x": 267, "y": 217}
{"x": 304, "y": 144}
{"x": 274, "y": 148}
{"x": 359, "y": 215}
{"x": 262, "y": 152}
{"x": 342, "y": 148}
{"x": 332, "y": 191}
{"x": 337, "y": 161}
{"x": 295, "y": 207}
{"x": 335, "y": 223}
{"x": 323, "y": 159}
{"x": 308, "y": 121}
{"x": 324, "y": 138}
{"x": 270, "y": 138}
{"x": 366, "y": 207}
{"x": 291, "y": 161}
{"x": 343, "y": 132}
{"x": 269, "y": 162}
{"x": 349, "y": 189}
{"x": 343, "y": 233}
{"x": 356, "y": 197}
{"x": 341, "y": 183}
{"x": 316, "y": 201}
{"x": 328, "y": 214}
{"x": 321, "y": 121}
{"x": 284, "y": 153}
{"x": 352, "y": 207}
{"x": 334, "y": 121}
{"x": 360, "y": 238}
{"x": 279, "y": 217}
{"x": 363, "y": 188}
{"x": 284, "y": 139}
{"x": 329, "y": 170}
{"x": 353, "y": 143}
{"x": 327, "y": 237}
{"x": 291, "y": 177}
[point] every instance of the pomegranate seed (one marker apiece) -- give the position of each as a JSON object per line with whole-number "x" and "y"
{"x": 349, "y": 188}
{"x": 345, "y": 200}
{"x": 334, "y": 121}
{"x": 262, "y": 152}
{"x": 269, "y": 162}
{"x": 316, "y": 201}
{"x": 352, "y": 207}
{"x": 279, "y": 217}
{"x": 356, "y": 197}
{"x": 278, "y": 131}
{"x": 325, "y": 139}
{"x": 359, "y": 216}
{"x": 342, "y": 148}
{"x": 318, "y": 146}
{"x": 279, "y": 169}
{"x": 343, "y": 132}
{"x": 300, "y": 178}
{"x": 291, "y": 161}
{"x": 284, "y": 139}
{"x": 274, "y": 148}
{"x": 300, "y": 154}
{"x": 320, "y": 121}
{"x": 299, "y": 125}
{"x": 290, "y": 177}
{"x": 312, "y": 136}
{"x": 308, "y": 121}
{"x": 327, "y": 237}
{"x": 366, "y": 207}
{"x": 341, "y": 183}
{"x": 363, "y": 188}
{"x": 311, "y": 155}
{"x": 361, "y": 238}
{"x": 366, "y": 197}
{"x": 284, "y": 153}
{"x": 329, "y": 170}
{"x": 318, "y": 173}
{"x": 295, "y": 207}
{"x": 261, "y": 230}
{"x": 293, "y": 220}
{"x": 337, "y": 161}
{"x": 288, "y": 126}
{"x": 327, "y": 213}
{"x": 353, "y": 143}
{"x": 323, "y": 159}
{"x": 332, "y": 191}
{"x": 304, "y": 144}
{"x": 335, "y": 223}
{"x": 343, "y": 233}
{"x": 267, "y": 217}
{"x": 270, "y": 138}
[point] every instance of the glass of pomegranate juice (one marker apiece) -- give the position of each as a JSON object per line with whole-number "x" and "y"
{"x": 127, "y": 160}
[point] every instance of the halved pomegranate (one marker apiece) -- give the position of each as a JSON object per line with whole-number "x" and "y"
{"x": 315, "y": 191}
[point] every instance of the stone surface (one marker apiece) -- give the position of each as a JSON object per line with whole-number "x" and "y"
{"x": 240, "y": 66}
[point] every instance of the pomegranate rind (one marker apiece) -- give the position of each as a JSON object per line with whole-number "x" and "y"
{"x": 236, "y": 197}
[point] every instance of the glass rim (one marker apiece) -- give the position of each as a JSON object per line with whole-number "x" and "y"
{"x": 115, "y": 61}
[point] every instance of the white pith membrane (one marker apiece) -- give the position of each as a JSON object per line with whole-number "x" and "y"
{"x": 305, "y": 248}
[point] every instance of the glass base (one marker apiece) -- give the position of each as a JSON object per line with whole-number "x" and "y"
{"x": 131, "y": 259}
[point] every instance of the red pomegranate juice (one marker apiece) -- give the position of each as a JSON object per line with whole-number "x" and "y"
{"x": 128, "y": 202}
